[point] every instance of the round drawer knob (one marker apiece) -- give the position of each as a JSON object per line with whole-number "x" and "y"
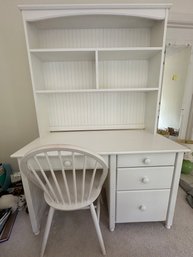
{"x": 145, "y": 180}
{"x": 142, "y": 207}
{"x": 67, "y": 163}
{"x": 147, "y": 161}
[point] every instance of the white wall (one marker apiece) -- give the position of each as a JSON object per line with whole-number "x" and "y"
{"x": 18, "y": 122}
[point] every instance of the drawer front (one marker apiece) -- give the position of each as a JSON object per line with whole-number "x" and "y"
{"x": 67, "y": 162}
{"x": 155, "y": 159}
{"x": 141, "y": 206}
{"x": 144, "y": 178}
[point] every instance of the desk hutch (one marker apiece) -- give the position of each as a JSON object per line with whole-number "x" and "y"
{"x": 96, "y": 73}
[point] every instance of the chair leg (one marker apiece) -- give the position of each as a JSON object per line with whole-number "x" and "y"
{"x": 97, "y": 227}
{"x": 98, "y": 207}
{"x": 47, "y": 230}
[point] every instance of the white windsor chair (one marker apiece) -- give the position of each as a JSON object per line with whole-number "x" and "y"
{"x": 71, "y": 178}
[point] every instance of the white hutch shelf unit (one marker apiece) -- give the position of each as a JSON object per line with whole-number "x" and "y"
{"x": 96, "y": 66}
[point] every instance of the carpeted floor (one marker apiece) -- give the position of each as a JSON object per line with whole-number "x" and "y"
{"x": 73, "y": 235}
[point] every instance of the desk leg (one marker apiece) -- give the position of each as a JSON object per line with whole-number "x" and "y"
{"x": 174, "y": 190}
{"x": 35, "y": 203}
{"x": 112, "y": 190}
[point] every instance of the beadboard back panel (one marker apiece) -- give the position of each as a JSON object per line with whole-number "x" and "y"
{"x": 126, "y": 74}
{"x": 92, "y": 38}
{"x": 96, "y": 110}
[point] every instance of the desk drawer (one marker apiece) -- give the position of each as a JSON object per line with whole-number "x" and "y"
{"x": 67, "y": 160}
{"x": 156, "y": 159}
{"x": 144, "y": 178}
{"x": 139, "y": 206}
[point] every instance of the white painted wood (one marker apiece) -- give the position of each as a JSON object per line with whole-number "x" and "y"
{"x": 43, "y": 128}
{"x": 109, "y": 142}
{"x": 99, "y": 67}
{"x": 148, "y": 159}
{"x": 73, "y": 49}
{"x": 92, "y": 21}
{"x": 129, "y": 68}
{"x": 69, "y": 75}
{"x": 48, "y": 177}
{"x": 144, "y": 178}
{"x": 113, "y": 29}
{"x": 111, "y": 191}
{"x": 38, "y": 73}
{"x": 35, "y": 203}
{"x": 98, "y": 231}
{"x": 161, "y": 73}
{"x": 62, "y": 91}
{"x": 47, "y": 230}
{"x": 134, "y": 53}
{"x": 93, "y": 6}
{"x": 154, "y": 70}
{"x": 141, "y": 206}
{"x": 98, "y": 208}
{"x": 126, "y": 74}
{"x": 31, "y": 34}
{"x": 50, "y": 181}
{"x": 95, "y": 110}
{"x": 88, "y": 53}
{"x": 42, "y": 114}
{"x": 151, "y": 114}
{"x": 157, "y": 33}
{"x": 106, "y": 143}
{"x": 58, "y": 55}
{"x": 174, "y": 190}
{"x": 41, "y": 12}
{"x": 94, "y": 38}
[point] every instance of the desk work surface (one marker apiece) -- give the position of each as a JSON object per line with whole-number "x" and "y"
{"x": 108, "y": 142}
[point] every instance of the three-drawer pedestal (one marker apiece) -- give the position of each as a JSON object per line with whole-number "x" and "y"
{"x": 143, "y": 186}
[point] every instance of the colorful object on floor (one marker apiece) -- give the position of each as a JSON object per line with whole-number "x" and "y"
{"x": 2, "y": 175}
{"x": 187, "y": 167}
{"x": 5, "y": 176}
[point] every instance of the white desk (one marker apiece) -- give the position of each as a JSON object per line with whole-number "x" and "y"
{"x": 144, "y": 171}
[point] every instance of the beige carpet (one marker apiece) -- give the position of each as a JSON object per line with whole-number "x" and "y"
{"x": 73, "y": 235}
